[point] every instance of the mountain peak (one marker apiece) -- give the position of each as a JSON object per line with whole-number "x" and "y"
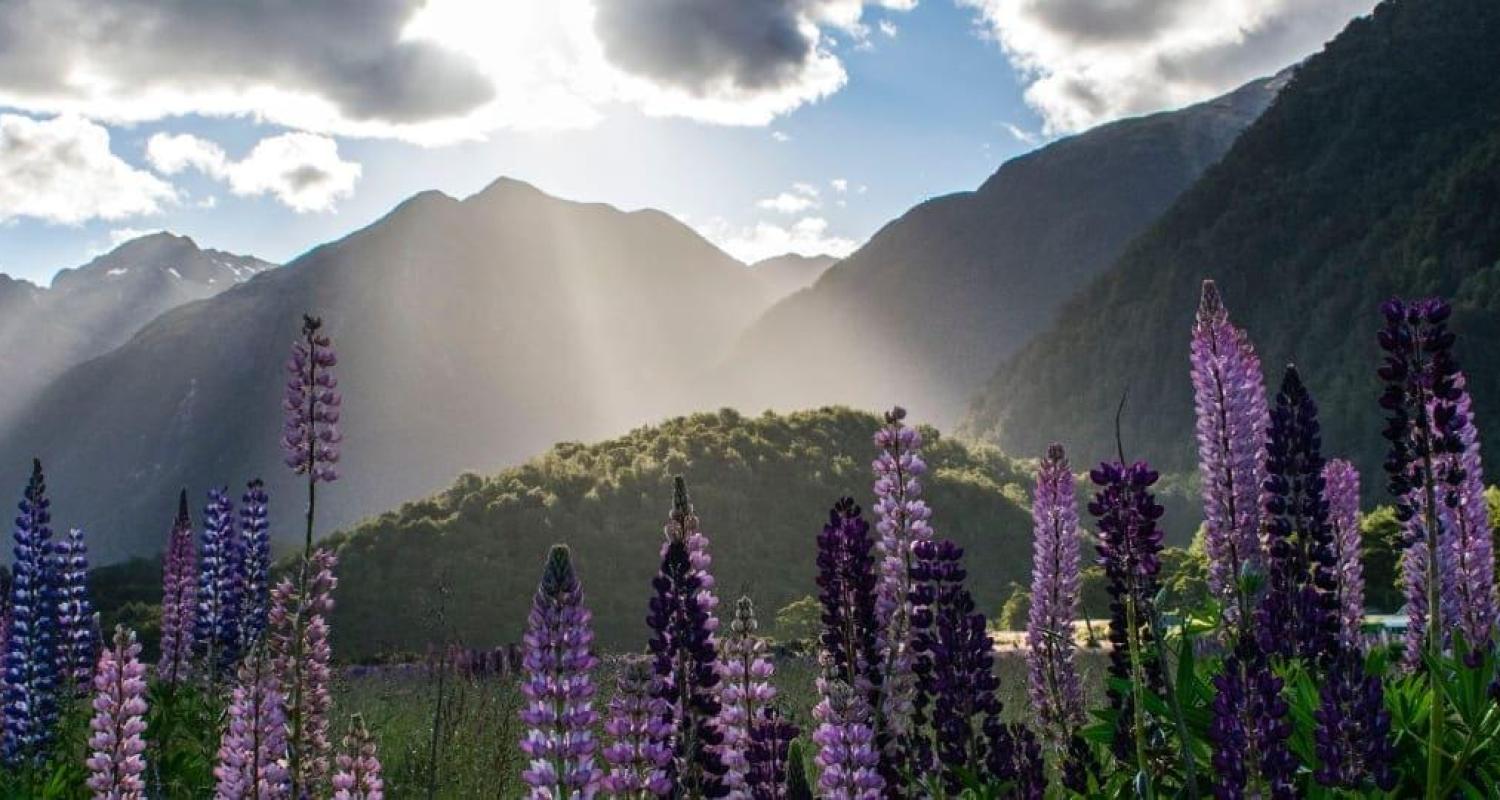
{"x": 506, "y": 186}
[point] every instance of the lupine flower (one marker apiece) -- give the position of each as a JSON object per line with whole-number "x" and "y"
{"x": 221, "y": 558}
{"x": 31, "y": 683}
{"x": 1469, "y": 553}
{"x": 559, "y": 686}
{"x": 1414, "y": 572}
{"x": 300, "y": 657}
{"x": 1423, "y": 425}
{"x": 686, "y": 656}
{"x": 1015, "y": 756}
{"x": 178, "y": 597}
{"x": 118, "y": 759}
{"x": 77, "y": 639}
{"x": 253, "y": 751}
{"x": 902, "y": 522}
{"x": 1341, "y": 487}
{"x": 311, "y": 435}
{"x": 846, "y": 744}
{"x": 1353, "y": 734}
{"x": 1249, "y": 730}
{"x": 1129, "y": 547}
{"x": 358, "y": 776}
{"x": 1056, "y": 696}
{"x": 1229, "y": 397}
{"x": 770, "y": 748}
{"x": 846, "y": 590}
{"x": 1299, "y": 614}
{"x": 256, "y": 536}
{"x": 639, "y": 730}
{"x": 746, "y": 694}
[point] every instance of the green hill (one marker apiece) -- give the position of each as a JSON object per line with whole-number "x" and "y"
{"x": 1376, "y": 171}
{"x": 462, "y": 565}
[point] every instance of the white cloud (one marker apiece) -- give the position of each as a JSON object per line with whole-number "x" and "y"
{"x": 840, "y": 185}
{"x": 428, "y": 72}
{"x": 1089, "y": 61}
{"x": 888, "y": 28}
{"x": 1021, "y": 134}
{"x": 62, "y": 170}
{"x": 787, "y": 203}
{"x": 808, "y": 236}
{"x": 805, "y": 188}
{"x": 302, "y": 170}
{"x": 780, "y": 136}
{"x": 119, "y": 236}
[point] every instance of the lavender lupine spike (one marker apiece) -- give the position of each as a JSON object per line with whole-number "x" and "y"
{"x": 1129, "y": 546}
{"x": 1056, "y": 696}
{"x": 1229, "y": 397}
{"x": 220, "y": 585}
{"x": 256, "y": 538}
{"x": 31, "y": 683}
{"x": 301, "y": 654}
{"x": 358, "y": 776}
{"x": 119, "y": 753}
{"x": 639, "y": 731}
{"x": 179, "y": 598}
{"x": 77, "y": 639}
{"x": 1353, "y": 733}
{"x": 253, "y": 751}
{"x": 311, "y": 435}
{"x": 559, "y": 687}
{"x": 746, "y": 695}
{"x": 1341, "y": 487}
{"x": 1468, "y": 547}
{"x": 1414, "y": 572}
{"x": 846, "y": 745}
{"x": 686, "y": 656}
{"x": 1250, "y": 729}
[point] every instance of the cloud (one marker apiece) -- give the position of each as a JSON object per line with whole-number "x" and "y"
{"x": 1090, "y": 61}
{"x": 888, "y": 28}
{"x": 62, "y": 170}
{"x": 1021, "y": 134}
{"x": 840, "y": 185}
{"x": 780, "y": 136}
{"x": 302, "y": 170}
{"x": 426, "y": 71}
{"x": 803, "y": 196}
{"x": 807, "y": 236}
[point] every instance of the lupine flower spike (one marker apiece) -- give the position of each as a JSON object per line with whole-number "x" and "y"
{"x": 638, "y": 728}
{"x": 1469, "y": 552}
{"x": 769, "y": 753}
{"x": 847, "y": 757}
{"x": 311, "y": 436}
{"x": 1353, "y": 733}
{"x": 1341, "y": 487}
{"x": 77, "y": 635}
{"x": 221, "y": 584}
{"x": 301, "y": 654}
{"x": 846, "y": 589}
{"x": 559, "y": 687}
{"x": 256, "y": 537}
{"x": 746, "y": 696}
{"x": 1250, "y": 729}
{"x": 179, "y": 598}
{"x": 253, "y": 752}
{"x": 1056, "y": 696}
{"x": 31, "y": 681}
{"x": 358, "y": 776}
{"x": 118, "y": 760}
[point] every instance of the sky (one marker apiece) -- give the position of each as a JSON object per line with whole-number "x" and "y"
{"x": 770, "y": 126}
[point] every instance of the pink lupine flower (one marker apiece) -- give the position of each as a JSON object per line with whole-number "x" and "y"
{"x": 358, "y": 776}
{"x": 119, "y": 719}
{"x": 252, "y": 763}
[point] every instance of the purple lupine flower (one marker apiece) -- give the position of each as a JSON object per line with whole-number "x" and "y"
{"x": 846, "y": 590}
{"x": 559, "y": 687}
{"x": 1229, "y": 397}
{"x": 1341, "y": 487}
{"x": 1353, "y": 734}
{"x": 1299, "y": 613}
{"x": 255, "y": 533}
{"x": 358, "y": 775}
{"x": 902, "y": 521}
{"x": 1130, "y": 542}
{"x": 1423, "y": 425}
{"x": 769, "y": 753}
{"x": 298, "y": 625}
{"x": 746, "y": 694}
{"x": 311, "y": 435}
{"x": 77, "y": 638}
{"x": 1249, "y": 730}
{"x": 31, "y": 680}
{"x": 639, "y": 730}
{"x": 253, "y": 751}
{"x": 221, "y": 558}
{"x": 178, "y": 598}
{"x": 119, "y": 752}
{"x": 1015, "y": 756}
{"x": 1056, "y": 696}
{"x": 1414, "y": 572}
{"x": 846, "y": 744}
{"x": 686, "y": 655}
{"x": 1468, "y": 548}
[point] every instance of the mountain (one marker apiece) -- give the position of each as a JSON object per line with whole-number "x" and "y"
{"x": 471, "y": 335}
{"x": 762, "y": 487}
{"x": 785, "y": 274}
{"x": 92, "y": 309}
{"x": 932, "y": 304}
{"x": 1376, "y": 172}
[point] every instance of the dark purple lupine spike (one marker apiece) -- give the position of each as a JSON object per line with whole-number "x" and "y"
{"x": 1015, "y": 756}
{"x": 31, "y": 707}
{"x": 221, "y": 558}
{"x": 686, "y": 656}
{"x": 179, "y": 597}
{"x": 1130, "y": 542}
{"x": 78, "y": 641}
{"x": 1249, "y": 730}
{"x": 846, "y": 589}
{"x": 255, "y": 533}
{"x": 770, "y": 745}
{"x": 1298, "y": 616}
{"x": 1353, "y": 734}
